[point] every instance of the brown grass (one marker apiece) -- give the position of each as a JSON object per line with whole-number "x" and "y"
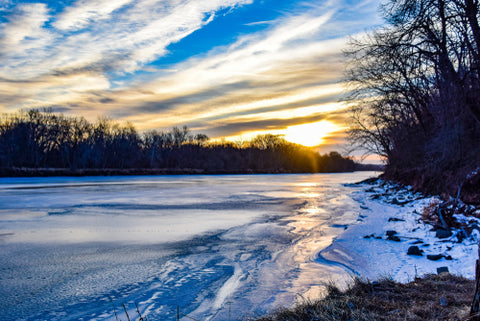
{"x": 434, "y": 297}
{"x": 430, "y": 212}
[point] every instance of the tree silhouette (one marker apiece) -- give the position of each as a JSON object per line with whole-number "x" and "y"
{"x": 41, "y": 139}
{"x": 415, "y": 91}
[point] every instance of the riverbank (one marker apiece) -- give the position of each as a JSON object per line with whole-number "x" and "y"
{"x": 50, "y": 172}
{"x": 425, "y": 272}
{"x": 396, "y": 236}
{"x": 434, "y": 297}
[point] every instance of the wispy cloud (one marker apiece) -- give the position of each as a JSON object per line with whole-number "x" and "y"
{"x": 121, "y": 35}
{"x": 263, "y": 71}
{"x": 23, "y": 39}
{"x": 92, "y": 39}
{"x": 86, "y": 12}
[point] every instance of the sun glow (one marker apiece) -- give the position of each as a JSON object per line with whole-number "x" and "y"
{"x": 311, "y": 134}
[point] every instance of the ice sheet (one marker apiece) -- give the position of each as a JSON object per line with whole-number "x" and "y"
{"x": 213, "y": 245}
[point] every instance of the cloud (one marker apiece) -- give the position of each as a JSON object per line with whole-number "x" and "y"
{"x": 287, "y": 81}
{"x": 123, "y": 35}
{"x": 22, "y": 39}
{"x": 91, "y": 39}
{"x": 85, "y": 12}
{"x": 228, "y": 127}
{"x": 256, "y": 72}
{"x": 23, "y": 28}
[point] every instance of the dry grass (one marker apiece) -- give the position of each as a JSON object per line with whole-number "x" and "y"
{"x": 434, "y": 297}
{"x": 429, "y": 213}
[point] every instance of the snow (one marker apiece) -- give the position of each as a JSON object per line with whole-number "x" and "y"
{"x": 213, "y": 245}
{"x": 365, "y": 249}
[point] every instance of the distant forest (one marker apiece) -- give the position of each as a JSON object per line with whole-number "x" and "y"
{"x": 415, "y": 99}
{"x": 41, "y": 142}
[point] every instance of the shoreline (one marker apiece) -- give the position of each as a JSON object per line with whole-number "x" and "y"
{"x": 387, "y": 281}
{"x": 52, "y": 172}
{"x": 389, "y": 223}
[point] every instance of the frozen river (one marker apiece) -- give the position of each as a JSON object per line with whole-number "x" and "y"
{"x": 216, "y": 246}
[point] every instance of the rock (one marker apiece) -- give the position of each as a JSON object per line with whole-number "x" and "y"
{"x": 394, "y": 238}
{"x": 418, "y": 242}
{"x": 394, "y": 219}
{"x": 391, "y": 233}
{"x": 443, "y": 234}
{"x": 448, "y": 257}
{"x": 391, "y": 236}
{"x": 414, "y": 250}
{"x": 442, "y": 269}
{"x": 369, "y": 236}
{"x": 434, "y": 257}
{"x": 396, "y": 201}
{"x": 461, "y": 235}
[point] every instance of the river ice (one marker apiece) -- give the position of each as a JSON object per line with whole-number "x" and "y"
{"x": 219, "y": 247}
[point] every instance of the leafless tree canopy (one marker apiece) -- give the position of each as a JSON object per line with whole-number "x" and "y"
{"x": 415, "y": 91}
{"x": 39, "y": 139}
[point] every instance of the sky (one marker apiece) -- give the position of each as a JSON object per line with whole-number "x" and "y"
{"x": 225, "y": 68}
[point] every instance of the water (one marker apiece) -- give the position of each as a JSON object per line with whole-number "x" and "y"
{"x": 217, "y": 246}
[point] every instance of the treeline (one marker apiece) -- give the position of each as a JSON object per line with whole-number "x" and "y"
{"x": 37, "y": 140}
{"x": 416, "y": 93}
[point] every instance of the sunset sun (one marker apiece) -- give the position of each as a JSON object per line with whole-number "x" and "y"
{"x": 311, "y": 134}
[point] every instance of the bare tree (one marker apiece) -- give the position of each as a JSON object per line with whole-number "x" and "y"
{"x": 415, "y": 88}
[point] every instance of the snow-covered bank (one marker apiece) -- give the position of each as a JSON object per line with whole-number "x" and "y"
{"x": 389, "y": 224}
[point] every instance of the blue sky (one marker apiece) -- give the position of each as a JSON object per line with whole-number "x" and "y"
{"x": 226, "y": 68}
